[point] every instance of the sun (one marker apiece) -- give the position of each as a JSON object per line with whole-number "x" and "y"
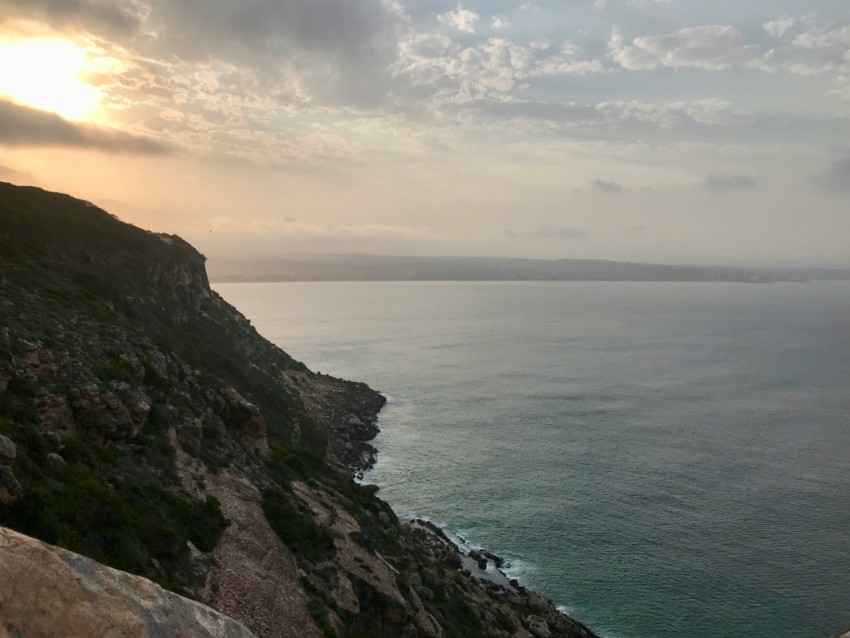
{"x": 45, "y": 74}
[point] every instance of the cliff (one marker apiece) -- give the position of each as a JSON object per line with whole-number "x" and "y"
{"x": 146, "y": 425}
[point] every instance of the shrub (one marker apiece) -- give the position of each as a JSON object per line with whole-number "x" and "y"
{"x": 295, "y": 526}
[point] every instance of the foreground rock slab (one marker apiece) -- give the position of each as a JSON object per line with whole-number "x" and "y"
{"x": 48, "y": 592}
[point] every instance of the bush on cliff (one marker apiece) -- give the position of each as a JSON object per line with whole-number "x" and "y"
{"x": 88, "y": 507}
{"x": 294, "y": 525}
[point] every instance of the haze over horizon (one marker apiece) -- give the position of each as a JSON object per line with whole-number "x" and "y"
{"x": 656, "y": 131}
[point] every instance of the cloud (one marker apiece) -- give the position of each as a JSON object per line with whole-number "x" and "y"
{"x": 287, "y": 226}
{"x": 336, "y": 50}
{"x": 606, "y": 186}
{"x": 7, "y": 172}
{"x": 669, "y": 115}
{"x": 460, "y": 19}
{"x": 560, "y": 232}
{"x": 549, "y": 232}
{"x": 838, "y": 176}
{"x": 498, "y": 23}
{"x": 454, "y": 74}
{"x": 782, "y": 25}
{"x": 111, "y": 17}
{"x": 23, "y": 126}
{"x": 710, "y": 47}
{"x": 715, "y": 47}
{"x": 729, "y": 182}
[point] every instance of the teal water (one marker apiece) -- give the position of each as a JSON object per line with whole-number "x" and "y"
{"x": 662, "y": 459}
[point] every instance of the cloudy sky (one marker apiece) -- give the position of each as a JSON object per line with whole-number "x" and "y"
{"x": 652, "y": 130}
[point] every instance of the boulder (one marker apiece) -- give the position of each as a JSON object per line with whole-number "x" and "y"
{"x": 538, "y": 627}
{"x": 54, "y": 413}
{"x": 55, "y": 460}
{"x": 47, "y": 592}
{"x": 8, "y": 451}
{"x": 10, "y": 490}
{"x": 537, "y": 603}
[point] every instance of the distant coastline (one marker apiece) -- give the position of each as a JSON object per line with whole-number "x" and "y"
{"x": 363, "y": 267}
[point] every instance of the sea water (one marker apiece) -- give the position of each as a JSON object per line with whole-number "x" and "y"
{"x": 662, "y": 459}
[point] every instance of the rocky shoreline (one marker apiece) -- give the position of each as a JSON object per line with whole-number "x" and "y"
{"x": 150, "y": 428}
{"x": 541, "y": 616}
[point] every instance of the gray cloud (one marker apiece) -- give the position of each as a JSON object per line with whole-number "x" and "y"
{"x": 111, "y": 17}
{"x": 559, "y": 232}
{"x": 549, "y": 232}
{"x": 606, "y": 186}
{"x": 729, "y": 182}
{"x": 716, "y": 47}
{"x": 23, "y": 126}
{"x": 838, "y": 175}
{"x": 336, "y": 51}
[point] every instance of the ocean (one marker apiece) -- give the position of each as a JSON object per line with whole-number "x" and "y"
{"x": 660, "y": 459}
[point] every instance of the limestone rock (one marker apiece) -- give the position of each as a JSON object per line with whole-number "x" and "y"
{"x": 49, "y": 592}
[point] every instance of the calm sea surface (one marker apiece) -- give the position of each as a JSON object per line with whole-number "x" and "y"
{"x": 662, "y": 459}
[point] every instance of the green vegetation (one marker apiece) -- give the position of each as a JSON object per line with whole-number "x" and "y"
{"x": 88, "y": 507}
{"x": 295, "y": 526}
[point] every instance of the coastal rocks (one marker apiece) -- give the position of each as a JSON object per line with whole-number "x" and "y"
{"x": 537, "y": 603}
{"x": 56, "y": 593}
{"x": 538, "y": 627}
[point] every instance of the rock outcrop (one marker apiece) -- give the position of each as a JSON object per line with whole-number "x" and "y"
{"x": 47, "y": 592}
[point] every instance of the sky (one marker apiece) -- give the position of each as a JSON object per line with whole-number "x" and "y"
{"x": 676, "y": 131}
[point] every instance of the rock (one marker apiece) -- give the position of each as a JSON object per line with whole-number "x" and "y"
{"x": 190, "y": 433}
{"x": 538, "y": 627}
{"x": 424, "y": 593}
{"x": 10, "y": 489}
{"x": 537, "y": 603}
{"x": 237, "y": 411}
{"x": 54, "y": 413}
{"x": 112, "y": 416}
{"x": 8, "y": 451}
{"x": 49, "y": 592}
{"x": 55, "y": 460}
{"x": 384, "y": 518}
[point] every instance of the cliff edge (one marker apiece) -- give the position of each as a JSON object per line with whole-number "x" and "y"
{"x": 145, "y": 424}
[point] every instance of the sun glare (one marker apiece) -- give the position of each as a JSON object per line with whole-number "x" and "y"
{"x": 45, "y": 74}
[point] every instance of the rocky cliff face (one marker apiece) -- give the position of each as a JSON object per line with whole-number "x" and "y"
{"x": 47, "y": 591}
{"x": 147, "y": 425}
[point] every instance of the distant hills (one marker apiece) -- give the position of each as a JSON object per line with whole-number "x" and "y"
{"x": 363, "y": 267}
